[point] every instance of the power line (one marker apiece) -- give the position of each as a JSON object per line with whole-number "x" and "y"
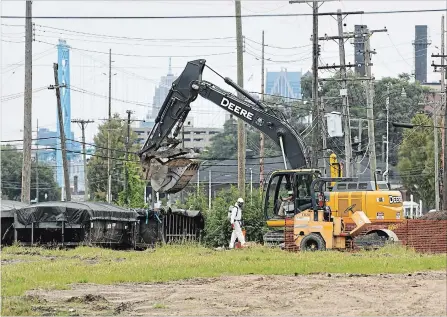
{"x": 173, "y": 17}
{"x": 136, "y": 55}
{"x": 135, "y": 38}
{"x": 95, "y": 40}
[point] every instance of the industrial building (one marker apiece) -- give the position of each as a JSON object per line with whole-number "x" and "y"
{"x": 420, "y": 43}
{"x": 193, "y": 137}
{"x": 359, "y": 50}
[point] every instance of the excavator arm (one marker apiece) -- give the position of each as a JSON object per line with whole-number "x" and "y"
{"x": 170, "y": 168}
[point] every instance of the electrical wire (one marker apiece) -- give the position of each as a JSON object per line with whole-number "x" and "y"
{"x": 136, "y": 55}
{"x": 172, "y": 17}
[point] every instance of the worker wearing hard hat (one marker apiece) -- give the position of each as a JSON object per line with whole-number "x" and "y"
{"x": 286, "y": 204}
{"x": 235, "y": 220}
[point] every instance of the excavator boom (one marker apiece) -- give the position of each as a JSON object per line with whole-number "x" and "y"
{"x": 170, "y": 168}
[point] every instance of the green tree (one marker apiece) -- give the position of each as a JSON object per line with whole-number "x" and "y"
{"x": 11, "y": 169}
{"x": 224, "y": 144}
{"x": 306, "y": 87}
{"x": 405, "y": 99}
{"x": 136, "y": 186}
{"x": 416, "y": 160}
{"x": 97, "y": 166}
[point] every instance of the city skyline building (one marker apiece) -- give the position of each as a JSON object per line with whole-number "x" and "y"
{"x": 284, "y": 84}
{"x": 160, "y": 94}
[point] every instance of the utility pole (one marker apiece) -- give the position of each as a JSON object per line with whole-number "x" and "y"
{"x": 37, "y": 161}
{"x": 324, "y": 138}
{"x": 316, "y": 135}
{"x": 240, "y": 81}
{"x": 443, "y": 104}
{"x": 27, "y": 117}
{"x": 126, "y": 181}
{"x": 109, "y": 172}
{"x": 343, "y": 91}
{"x": 315, "y": 113}
{"x": 369, "y": 102}
{"x": 444, "y": 139}
{"x": 369, "y": 110}
{"x": 61, "y": 128}
{"x": 82, "y": 124}
{"x": 436, "y": 141}
{"x": 387, "y": 172}
{"x": 435, "y": 123}
{"x": 262, "y": 140}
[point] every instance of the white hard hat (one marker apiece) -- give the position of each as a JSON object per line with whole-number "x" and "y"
{"x": 240, "y": 200}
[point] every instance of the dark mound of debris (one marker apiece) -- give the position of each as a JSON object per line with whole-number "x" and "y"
{"x": 437, "y": 215}
{"x": 86, "y": 299}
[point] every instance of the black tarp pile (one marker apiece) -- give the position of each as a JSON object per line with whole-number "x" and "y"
{"x": 150, "y": 227}
{"x": 7, "y": 208}
{"x": 161, "y": 225}
{"x": 182, "y": 225}
{"x": 91, "y": 222}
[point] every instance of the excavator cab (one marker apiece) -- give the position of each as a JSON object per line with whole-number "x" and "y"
{"x": 288, "y": 192}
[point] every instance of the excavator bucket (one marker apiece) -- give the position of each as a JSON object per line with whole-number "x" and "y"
{"x": 172, "y": 176}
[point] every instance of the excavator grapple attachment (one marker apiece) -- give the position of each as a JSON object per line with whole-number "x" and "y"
{"x": 172, "y": 176}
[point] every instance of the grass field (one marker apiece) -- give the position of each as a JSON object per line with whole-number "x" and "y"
{"x": 37, "y": 268}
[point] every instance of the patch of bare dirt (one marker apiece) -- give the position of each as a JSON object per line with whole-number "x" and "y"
{"x": 312, "y": 295}
{"x": 13, "y": 261}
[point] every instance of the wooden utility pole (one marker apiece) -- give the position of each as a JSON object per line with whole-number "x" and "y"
{"x": 369, "y": 110}
{"x": 323, "y": 137}
{"x": 27, "y": 113}
{"x": 82, "y": 124}
{"x": 437, "y": 107}
{"x": 435, "y": 124}
{"x": 61, "y": 128}
{"x": 369, "y": 102}
{"x": 315, "y": 109}
{"x": 444, "y": 134}
{"x": 262, "y": 140}
{"x": 109, "y": 170}
{"x": 37, "y": 161}
{"x": 344, "y": 94}
{"x": 126, "y": 171}
{"x": 316, "y": 134}
{"x": 240, "y": 81}
{"x": 343, "y": 91}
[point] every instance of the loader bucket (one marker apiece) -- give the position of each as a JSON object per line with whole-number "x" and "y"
{"x": 173, "y": 176}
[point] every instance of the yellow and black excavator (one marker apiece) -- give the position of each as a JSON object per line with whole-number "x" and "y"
{"x": 169, "y": 167}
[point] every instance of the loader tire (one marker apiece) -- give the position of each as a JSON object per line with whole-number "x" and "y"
{"x": 313, "y": 242}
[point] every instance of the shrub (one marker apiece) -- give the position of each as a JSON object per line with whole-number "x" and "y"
{"x": 217, "y": 225}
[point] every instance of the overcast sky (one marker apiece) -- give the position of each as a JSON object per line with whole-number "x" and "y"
{"x": 138, "y": 73}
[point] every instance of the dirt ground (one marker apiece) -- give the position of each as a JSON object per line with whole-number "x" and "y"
{"x": 418, "y": 294}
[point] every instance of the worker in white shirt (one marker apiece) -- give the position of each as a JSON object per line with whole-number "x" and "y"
{"x": 235, "y": 220}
